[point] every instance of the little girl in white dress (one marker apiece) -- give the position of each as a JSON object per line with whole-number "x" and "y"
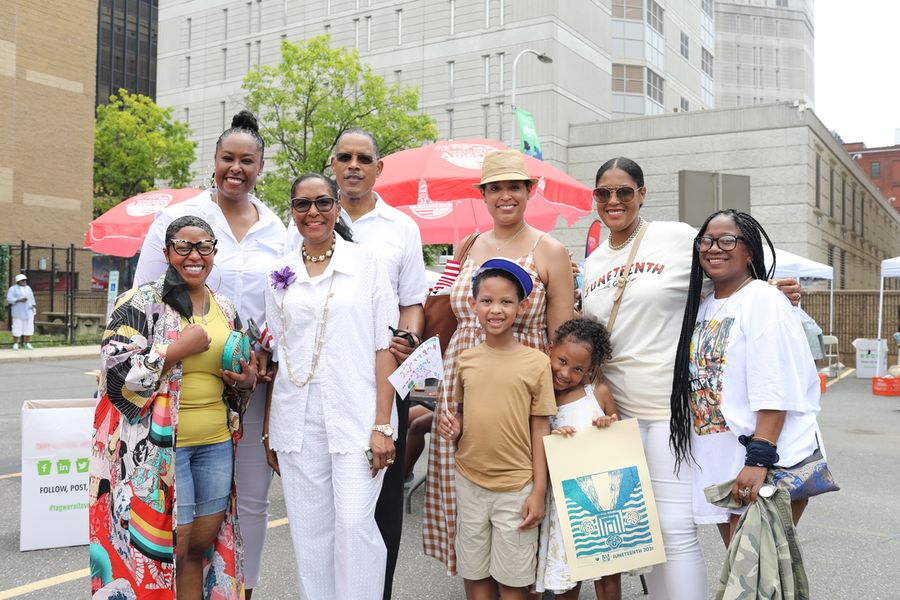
{"x": 580, "y": 347}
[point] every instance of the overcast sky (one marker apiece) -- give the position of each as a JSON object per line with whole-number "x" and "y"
{"x": 858, "y": 69}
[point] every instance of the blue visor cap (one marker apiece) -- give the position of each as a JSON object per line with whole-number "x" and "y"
{"x": 511, "y": 267}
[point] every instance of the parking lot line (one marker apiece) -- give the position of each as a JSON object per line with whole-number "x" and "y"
{"x": 43, "y": 583}
{"x": 10, "y": 475}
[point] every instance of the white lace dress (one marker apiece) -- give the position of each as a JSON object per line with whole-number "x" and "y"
{"x": 552, "y": 570}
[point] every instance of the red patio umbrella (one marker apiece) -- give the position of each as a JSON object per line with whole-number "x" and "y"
{"x": 121, "y": 230}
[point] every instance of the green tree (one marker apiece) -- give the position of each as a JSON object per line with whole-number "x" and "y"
{"x": 136, "y": 144}
{"x": 315, "y": 94}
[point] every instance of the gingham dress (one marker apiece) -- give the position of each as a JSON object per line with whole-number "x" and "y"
{"x": 439, "y": 521}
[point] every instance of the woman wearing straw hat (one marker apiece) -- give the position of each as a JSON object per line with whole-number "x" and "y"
{"x": 505, "y": 186}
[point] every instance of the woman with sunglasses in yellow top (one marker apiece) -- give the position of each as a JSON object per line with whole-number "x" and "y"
{"x": 644, "y": 336}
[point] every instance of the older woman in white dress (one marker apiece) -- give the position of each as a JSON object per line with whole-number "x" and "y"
{"x": 330, "y": 423}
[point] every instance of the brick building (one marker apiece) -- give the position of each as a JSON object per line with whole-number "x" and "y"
{"x": 48, "y": 52}
{"x": 882, "y": 165}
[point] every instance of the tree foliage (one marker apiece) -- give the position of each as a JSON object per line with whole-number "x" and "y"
{"x": 315, "y": 94}
{"x": 137, "y": 144}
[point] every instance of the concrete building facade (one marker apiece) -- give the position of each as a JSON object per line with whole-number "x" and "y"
{"x": 812, "y": 198}
{"x": 882, "y": 165}
{"x": 48, "y": 55}
{"x": 764, "y": 52}
{"x": 126, "y": 47}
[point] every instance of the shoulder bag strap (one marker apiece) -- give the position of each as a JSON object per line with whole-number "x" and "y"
{"x": 465, "y": 252}
{"x": 623, "y": 279}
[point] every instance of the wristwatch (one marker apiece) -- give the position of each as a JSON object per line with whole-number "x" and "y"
{"x": 385, "y": 430}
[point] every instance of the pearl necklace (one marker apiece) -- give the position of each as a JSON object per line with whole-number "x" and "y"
{"x": 320, "y": 341}
{"x": 630, "y": 237}
{"x": 321, "y": 257}
{"x": 510, "y": 240}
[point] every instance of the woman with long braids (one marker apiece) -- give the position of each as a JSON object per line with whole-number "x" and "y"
{"x": 643, "y": 339}
{"x": 745, "y": 393}
{"x": 250, "y": 239}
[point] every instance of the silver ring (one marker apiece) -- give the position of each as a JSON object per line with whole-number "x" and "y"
{"x": 744, "y": 492}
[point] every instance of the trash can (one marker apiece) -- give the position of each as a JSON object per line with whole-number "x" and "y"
{"x": 871, "y": 357}
{"x": 56, "y": 458}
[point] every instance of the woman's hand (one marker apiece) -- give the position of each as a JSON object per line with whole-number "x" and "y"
{"x": 246, "y": 379}
{"x": 449, "y": 427}
{"x": 271, "y": 456}
{"x": 790, "y": 287}
{"x": 383, "y": 452}
{"x": 263, "y": 372}
{"x": 747, "y": 484}
{"x": 532, "y": 511}
{"x": 604, "y": 421}
{"x": 193, "y": 340}
{"x": 565, "y": 430}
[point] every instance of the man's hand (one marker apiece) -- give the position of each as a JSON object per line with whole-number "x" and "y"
{"x": 532, "y": 511}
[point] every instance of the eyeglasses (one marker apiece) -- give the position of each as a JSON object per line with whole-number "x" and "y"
{"x": 726, "y": 242}
{"x": 625, "y": 194}
{"x": 323, "y": 204}
{"x": 184, "y": 247}
{"x": 363, "y": 159}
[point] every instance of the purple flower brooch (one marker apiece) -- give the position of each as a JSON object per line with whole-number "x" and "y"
{"x": 282, "y": 278}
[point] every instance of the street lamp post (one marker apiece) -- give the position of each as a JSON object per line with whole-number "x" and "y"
{"x": 541, "y": 56}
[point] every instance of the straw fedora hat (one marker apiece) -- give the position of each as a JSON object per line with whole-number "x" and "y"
{"x": 504, "y": 165}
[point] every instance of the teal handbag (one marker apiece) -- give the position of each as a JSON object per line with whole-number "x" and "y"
{"x": 237, "y": 346}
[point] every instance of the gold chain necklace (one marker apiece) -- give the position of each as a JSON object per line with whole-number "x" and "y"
{"x": 730, "y": 296}
{"x": 510, "y": 240}
{"x": 320, "y": 340}
{"x": 630, "y": 237}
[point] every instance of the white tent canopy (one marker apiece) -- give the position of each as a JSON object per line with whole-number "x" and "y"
{"x": 890, "y": 267}
{"x": 788, "y": 264}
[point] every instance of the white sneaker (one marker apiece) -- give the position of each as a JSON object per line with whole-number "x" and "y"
{"x": 16, "y": 346}
{"x": 28, "y": 346}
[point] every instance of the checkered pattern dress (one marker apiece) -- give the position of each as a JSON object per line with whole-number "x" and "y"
{"x": 439, "y": 522}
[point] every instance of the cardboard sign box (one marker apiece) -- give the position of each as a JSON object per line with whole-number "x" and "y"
{"x": 871, "y": 358}
{"x": 56, "y": 453}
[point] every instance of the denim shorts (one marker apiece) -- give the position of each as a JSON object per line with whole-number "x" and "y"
{"x": 203, "y": 476}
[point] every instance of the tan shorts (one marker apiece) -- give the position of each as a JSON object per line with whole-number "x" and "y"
{"x": 488, "y": 543}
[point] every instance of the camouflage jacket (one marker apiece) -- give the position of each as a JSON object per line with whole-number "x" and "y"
{"x": 764, "y": 558}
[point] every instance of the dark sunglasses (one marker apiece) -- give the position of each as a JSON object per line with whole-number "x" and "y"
{"x": 625, "y": 194}
{"x": 184, "y": 247}
{"x": 323, "y": 204}
{"x": 363, "y": 159}
{"x": 726, "y": 242}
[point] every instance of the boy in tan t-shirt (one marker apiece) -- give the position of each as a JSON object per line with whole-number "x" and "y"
{"x": 501, "y": 474}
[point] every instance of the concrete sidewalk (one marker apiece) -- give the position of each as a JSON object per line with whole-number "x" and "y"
{"x": 7, "y": 355}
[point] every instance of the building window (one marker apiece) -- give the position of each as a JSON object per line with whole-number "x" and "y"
{"x": 876, "y": 169}
{"x": 486, "y": 118}
{"x": 224, "y": 63}
{"x": 225, "y": 23}
{"x": 831, "y": 192}
{"x": 258, "y": 15}
{"x": 685, "y": 105}
{"x": 368, "y": 34}
{"x": 398, "y": 76}
{"x": 249, "y": 17}
{"x": 818, "y": 181}
{"x": 327, "y": 8}
{"x": 487, "y": 14}
{"x": 655, "y": 16}
{"x": 502, "y": 11}
{"x": 258, "y": 52}
{"x": 500, "y": 80}
{"x": 249, "y": 55}
{"x": 862, "y": 216}
{"x": 451, "y": 73}
{"x": 628, "y": 79}
{"x": 782, "y": 3}
{"x": 187, "y": 71}
{"x": 187, "y": 116}
{"x": 500, "y": 118}
{"x": 399, "y": 12}
{"x": 452, "y": 17}
{"x": 707, "y": 7}
{"x": 189, "y": 32}
{"x": 222, "y": 107}
{"x": 655, "y": 86}
{"x": 853, "y": 208}
{"x": 843, "y": 201}
{"x": 486, "y": 59}
{"x": 685, "y": 45}
{"x": 327, "y": 29}
{"x": 356, "y": 33}
{"x": 706, "y": 61}
{"x": 449, "y": 123}
{"x": 843, "y": 269}
{"x": 627, "y": 9}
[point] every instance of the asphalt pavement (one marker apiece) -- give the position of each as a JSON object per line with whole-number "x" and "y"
{"x": 850, "y": 539}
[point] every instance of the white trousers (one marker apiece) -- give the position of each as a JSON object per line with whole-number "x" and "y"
{"x": 683, "y": 575}
{"x": 330, "y": 501}
{"x": 252, "y": 478}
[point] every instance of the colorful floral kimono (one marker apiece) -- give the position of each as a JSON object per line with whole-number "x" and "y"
{"x": 132, "y": 474}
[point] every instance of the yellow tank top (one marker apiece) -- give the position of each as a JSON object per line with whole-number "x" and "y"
{"x": 202, "y": 414}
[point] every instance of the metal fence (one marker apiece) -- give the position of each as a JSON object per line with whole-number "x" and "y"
{"x": 855, "y": 316}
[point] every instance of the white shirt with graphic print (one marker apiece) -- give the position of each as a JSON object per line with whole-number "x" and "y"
{"x": 748, "y": 353}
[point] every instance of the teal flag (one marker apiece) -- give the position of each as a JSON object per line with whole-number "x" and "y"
{"x": 531, "y": 144}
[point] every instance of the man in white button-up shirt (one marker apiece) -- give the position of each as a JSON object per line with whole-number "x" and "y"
{"x": 397, "y": 243}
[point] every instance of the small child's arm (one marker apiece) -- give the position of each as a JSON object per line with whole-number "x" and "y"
{"x": 450, "y": 426}
{"x": 533, "y": 510}
{"x": 607, "y": 405}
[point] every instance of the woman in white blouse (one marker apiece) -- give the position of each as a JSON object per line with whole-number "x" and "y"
{"x": 329, "y": 304}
